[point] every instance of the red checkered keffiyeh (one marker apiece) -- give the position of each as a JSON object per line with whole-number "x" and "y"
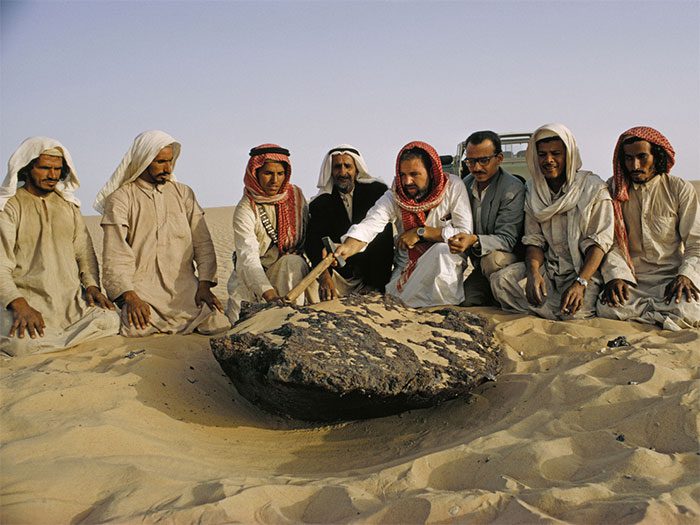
{"x": 289, "y": 202}
{"x": 619, "y": 184}
{"x": 413, "y": 213}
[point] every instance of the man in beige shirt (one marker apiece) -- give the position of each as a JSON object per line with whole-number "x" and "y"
{"x": 49, "y": 279}
{"x": 568, "y": 229}
{"x": 651, "y": 273}
{"x": 154, "y": 233}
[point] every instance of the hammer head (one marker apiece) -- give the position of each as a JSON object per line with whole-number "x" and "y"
{"x": 330, "y": 247}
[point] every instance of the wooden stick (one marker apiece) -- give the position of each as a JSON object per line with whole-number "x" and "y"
{"x": 310, "y": 278}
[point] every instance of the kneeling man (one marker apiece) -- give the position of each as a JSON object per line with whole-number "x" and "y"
{"x": 154, "y": 233}
{"x": 568, "y": 230}
{"x": 49, "y": 278}
{"x": 269, "y": 227}
{"x": 428, "y": 207}
{"x": 652, "y": 272}
{"x": 346, "y": 193}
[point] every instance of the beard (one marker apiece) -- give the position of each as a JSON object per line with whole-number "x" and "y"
{"x": 344, "y": 185}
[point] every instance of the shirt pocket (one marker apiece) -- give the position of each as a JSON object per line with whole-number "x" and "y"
{"x": 663, "y": 225}
{"x": 179, "y": 227}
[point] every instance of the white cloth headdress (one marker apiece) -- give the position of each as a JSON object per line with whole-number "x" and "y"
{"x": 582, "y": 188}
{"x": 29, "y": 150}
{"x": 325, "y": 181}
{"x": 141, "y": 153}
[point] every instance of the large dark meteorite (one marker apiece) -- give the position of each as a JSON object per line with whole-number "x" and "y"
{"x": 357, "y": 357}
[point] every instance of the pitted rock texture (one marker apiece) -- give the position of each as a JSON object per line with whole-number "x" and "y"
{"x": 356, "y": 357}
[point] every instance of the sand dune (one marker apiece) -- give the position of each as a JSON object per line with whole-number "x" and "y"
{"x": 571, "y": 431}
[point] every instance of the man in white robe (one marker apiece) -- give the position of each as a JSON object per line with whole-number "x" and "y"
{"x": 652, "y": 273}
{"x": 427, "y": 207}
{"x": 154, "y": 233}
{"x": 568, "y": 229}
{"x": 49, "y": 278}
{"x": 269, "y": 226}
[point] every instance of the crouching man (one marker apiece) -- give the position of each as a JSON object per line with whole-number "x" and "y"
{"x": 428, "y": 207}
{"x": 568, "y": 230}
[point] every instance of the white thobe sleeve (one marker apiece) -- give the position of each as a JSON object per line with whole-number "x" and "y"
{"x": 615, "y": 266}
{"x": 460, "y": 210}
{"x": 600, "y": 230}
{"x": 689, "y": 231}
{"x": 378, "y": 216}
{"x": 533, "y": 235}
{"x": 202, "y": 245}
{"x": 88, "y": 268}
{"x": 8, "y": 236}
{"x": 118, "y": 259}
{"x": 247, "y": 249}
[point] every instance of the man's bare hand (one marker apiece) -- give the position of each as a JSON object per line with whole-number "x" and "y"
{"x": 407, "y": 239}
{"x": 680, "y": 286}
{"x": 572, "y": 299}
{"x": 271, "y": 296}
{"x": 326, "y": 287}
{"x": 535, "y": 289}
{"x": 93, "y": 296}
{"x": 26, "y": 318}
{"x": 461, "y": 242}
{"x": 138, "y": 312}
{"x": 615, "y": 293}
{"x": 205, "y": 295}
{"x": 349, "y": 248}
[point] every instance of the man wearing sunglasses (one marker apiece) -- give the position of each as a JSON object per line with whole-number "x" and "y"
{"x": 497, "y": 202}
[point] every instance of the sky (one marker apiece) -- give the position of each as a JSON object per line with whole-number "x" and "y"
{"x": 224, "y": 76}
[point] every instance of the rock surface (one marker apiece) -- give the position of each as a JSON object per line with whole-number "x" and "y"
{"x": 356, "y": 357}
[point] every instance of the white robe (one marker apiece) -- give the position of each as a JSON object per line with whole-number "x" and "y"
{"x": 438, "y": 276}
{"x": 258, "y": 266}
{"x": 663, "y": 227}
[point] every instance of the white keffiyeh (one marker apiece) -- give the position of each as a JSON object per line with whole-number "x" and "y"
{"x": 141, "y": 153}
{"x": 581, "y": 189}
{"x": 325, "y": 180}
{"x": 29, "y": 150}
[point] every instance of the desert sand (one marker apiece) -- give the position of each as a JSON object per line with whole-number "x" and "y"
{"x": 571, "y": 431}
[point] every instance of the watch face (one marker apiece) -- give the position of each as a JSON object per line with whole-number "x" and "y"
{"x": 420, "y": 231}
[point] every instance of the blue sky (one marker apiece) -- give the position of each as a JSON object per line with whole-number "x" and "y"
{"x": 225, "y": 76}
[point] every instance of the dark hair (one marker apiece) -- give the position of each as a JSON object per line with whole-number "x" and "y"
{"x": 417, "y": 153}
{"x": 478, "y": 137}
{"x": 659, "y": 154}
{"x": 23, "y": 173}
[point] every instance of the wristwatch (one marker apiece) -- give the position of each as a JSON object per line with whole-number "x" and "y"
{"x": 580, "y": 280}
{"x": 476, "y": 248}
{"x": 421, "y": 233}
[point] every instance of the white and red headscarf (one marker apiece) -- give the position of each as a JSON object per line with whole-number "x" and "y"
{"x": 289, "y": 201}
{"x": 414, "y": 213}
{"x": 619, "y": 183}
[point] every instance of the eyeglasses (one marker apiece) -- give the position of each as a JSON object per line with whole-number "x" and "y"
{"x": 481, "y": 160}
